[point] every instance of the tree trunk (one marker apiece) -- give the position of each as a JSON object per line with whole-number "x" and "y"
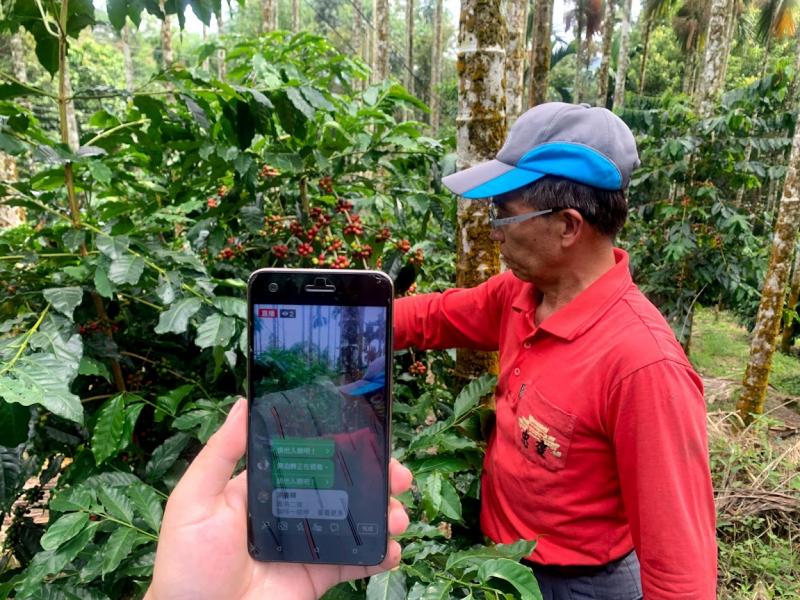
{"x": 348, "y": 352}
{"x": 622, "y": 56}
{"x": 696, "y": 72}
{"x": 64, "y": 100}
{"x": 126, "y": 55}
{"x": 221, "y": 72}
{"x": 357, "y": 33}
{"x": 791, "y": 304}
{"x": 586, "y": 56}
{"x": 740, "y": 192}
{"x": 358, "y": 39}
{"x": 296, "y": 16}
{"x": 541, "y": 49}
{"x": 710, "y": 84}
{"x": 608, "y": 34}
{"x": 794, "y": 87}
{"x": 268, "y": 15}
{"x": 409, "y": 74}
{"x": 380, "y": 48}
{"x": 166, "y": 41}
{"x": 10, "y": 216}
{"x": 480, "y": 132}
{"x": 762, "y": 72}
{"x": 73, "y": 138}
{"x": 516, "y": 17}
{"x": 369, "y": 46}
{"x": 207, "y": 61}
{"x": 768, "y": 320}
{"x": 18, "y": 61}
{"x": 436, "y": 61}
{"x": 642, "y": 68}
{"x": 577, "y": 86}
{"x": 730, "y": 29}
{"x": 688, "y": 66}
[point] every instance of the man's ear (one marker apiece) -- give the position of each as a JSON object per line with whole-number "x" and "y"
{"x": 573, "y": 225}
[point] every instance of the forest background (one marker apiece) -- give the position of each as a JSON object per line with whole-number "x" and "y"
{"x": 147, "y": 167}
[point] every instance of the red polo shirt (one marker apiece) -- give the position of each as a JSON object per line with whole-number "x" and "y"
{"x": 600, "y": 444}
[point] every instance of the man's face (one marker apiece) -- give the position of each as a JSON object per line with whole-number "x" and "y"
{"x": 530, "y": 246}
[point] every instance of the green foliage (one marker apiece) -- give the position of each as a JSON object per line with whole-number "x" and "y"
{"x": 182, "y": 196}
{"x": 721, "y": 346}
{"x": 690, "y": 242}
{"x": 665, "y": 63}
{"x": 756, "y": 536}
{"x": 122, "y": 327}
{"x": 79, "y": 14}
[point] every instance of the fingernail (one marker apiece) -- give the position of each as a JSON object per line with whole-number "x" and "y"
{"x": 237, "y": 406}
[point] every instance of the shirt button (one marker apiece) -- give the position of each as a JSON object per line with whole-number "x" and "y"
{"x": 527, "y": 344}
{"x": 516, "y": 371}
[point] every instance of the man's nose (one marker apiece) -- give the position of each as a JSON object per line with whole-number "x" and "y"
{"x": 496, "y": 234}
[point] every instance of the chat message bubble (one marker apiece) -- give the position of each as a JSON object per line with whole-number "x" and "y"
{"x": 297, "y": 447}
{"x": 320, "y": 482}
{"x": 303, "y": 466}
{"x": 304, "y": 503}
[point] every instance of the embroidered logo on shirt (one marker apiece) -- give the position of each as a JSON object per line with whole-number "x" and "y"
{"x": 531, "y": 428}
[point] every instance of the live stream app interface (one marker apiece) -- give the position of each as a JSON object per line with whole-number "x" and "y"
{"x": 315, "y": 464}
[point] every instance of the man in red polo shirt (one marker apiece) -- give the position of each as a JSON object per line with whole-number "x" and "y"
{"x": 599, "y": 451}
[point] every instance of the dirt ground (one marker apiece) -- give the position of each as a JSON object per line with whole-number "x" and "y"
{"x": 720, "y": 393}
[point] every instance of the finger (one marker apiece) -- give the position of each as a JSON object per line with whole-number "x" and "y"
{"x": 236, "y": 493}
{"x": 211, "y": 471}
{"x": 392, "y": 559}
{"x": 398, "y": 518}
{"x": 400, "y": 477}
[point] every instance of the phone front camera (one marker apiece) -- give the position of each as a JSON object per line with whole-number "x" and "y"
{"x": 272, "y": 287}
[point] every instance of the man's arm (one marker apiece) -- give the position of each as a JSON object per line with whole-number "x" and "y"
{"x": 457, "y": 318}
{"x": 657, "y": 420}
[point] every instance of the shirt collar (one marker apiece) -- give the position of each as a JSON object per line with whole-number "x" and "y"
{"x": 587, "y": 307}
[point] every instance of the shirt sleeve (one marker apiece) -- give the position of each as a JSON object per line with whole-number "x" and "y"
{"x": 657, "y": 419}
{"x": 456, "y": 318}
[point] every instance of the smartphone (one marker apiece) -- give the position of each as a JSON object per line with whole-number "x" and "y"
{"x": 318, "y": 440}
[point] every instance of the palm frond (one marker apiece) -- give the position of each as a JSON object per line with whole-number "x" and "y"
{"x": 593, "y": 9}
{"x": 561, "y": 52}
{"x": 786, "y": 25}
{"x": 591, "y": 12}
{"x": 654, "y": 9}
{"x": 776, "y": 18}
{"x": 570, "y": 18}
{"x": 766, "y": 16}
{"x": 690, "y": 23}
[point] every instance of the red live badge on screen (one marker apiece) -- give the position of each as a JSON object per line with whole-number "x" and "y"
{"x": 268, "y": 313}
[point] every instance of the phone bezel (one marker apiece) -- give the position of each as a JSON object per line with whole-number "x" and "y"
{"x": 353, "y": 289}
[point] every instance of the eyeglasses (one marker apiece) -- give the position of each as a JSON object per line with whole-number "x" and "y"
{"x": 496, "y": 222}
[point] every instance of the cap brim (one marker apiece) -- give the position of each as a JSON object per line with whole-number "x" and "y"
{"x": 361, "y": 387}
{"x": 489, "y": 179}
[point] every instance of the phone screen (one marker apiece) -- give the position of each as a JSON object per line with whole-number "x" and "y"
{"x": 317, "y": 439}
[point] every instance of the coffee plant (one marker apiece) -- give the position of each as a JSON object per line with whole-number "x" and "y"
{"x": 694, "y": 237}
{"x": 123, "y": 316}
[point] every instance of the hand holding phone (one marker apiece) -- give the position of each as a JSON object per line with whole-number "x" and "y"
{"x": 319, "y": 380}
{"x": 202, "y": 545}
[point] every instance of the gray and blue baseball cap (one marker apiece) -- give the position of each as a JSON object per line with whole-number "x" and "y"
{"x": 587, "y": 144}
{"x": 374, "y": 379}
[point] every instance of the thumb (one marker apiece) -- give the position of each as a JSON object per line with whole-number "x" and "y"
{"x": 210, "y": 472}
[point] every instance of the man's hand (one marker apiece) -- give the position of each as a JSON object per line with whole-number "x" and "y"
{"x": 202, "y": 548}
